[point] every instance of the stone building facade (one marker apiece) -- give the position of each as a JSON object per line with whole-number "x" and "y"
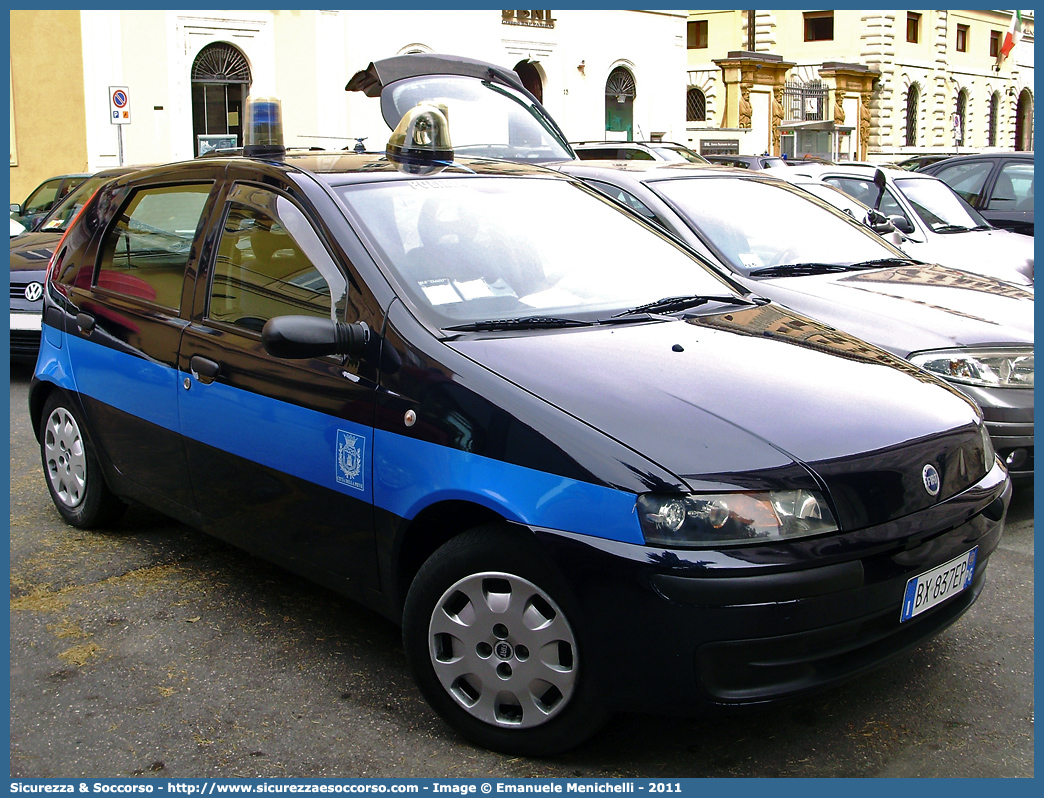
{"x": 879, "y": 85}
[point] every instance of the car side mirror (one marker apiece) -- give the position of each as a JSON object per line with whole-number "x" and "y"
{"x": 902, "y": 224}
{"x": 297, "y": 337}
{"x": 16, "y": 208}
{"x": 879, "y": 181}
{"x": 878, "y": 222}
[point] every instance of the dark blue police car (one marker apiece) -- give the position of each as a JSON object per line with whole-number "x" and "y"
{"x": 440, "y": 386}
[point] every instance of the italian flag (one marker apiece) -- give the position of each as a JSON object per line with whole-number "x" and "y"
{"x": 1011, "y": 38}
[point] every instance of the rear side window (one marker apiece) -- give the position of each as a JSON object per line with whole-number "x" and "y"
{"x": 145, "y": 253}
{"x": 1013, "y": 190}
{"x": 271, "y": 262}
{"x": 866, "y": 192}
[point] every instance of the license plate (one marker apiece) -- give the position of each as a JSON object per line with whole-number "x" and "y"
{"x": 935, "y": 586}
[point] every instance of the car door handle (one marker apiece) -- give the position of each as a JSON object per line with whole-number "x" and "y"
{"x": 85, "y": 321}
{"x": 204, "y": 369}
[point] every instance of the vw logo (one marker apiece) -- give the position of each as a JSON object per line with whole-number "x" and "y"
{"x": 33, "y": 292}
{"x": 932, "y": 482}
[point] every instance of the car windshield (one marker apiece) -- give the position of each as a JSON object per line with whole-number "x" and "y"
{"x": 487, "y": 120}
{"x": 679, "y": 154}
{"x": 837, "y": 198}
{"x": 939, "y": 206}
{"x": 480, "y": 248}
{"x": 757, "y": 224}
{"x": 59, "y": 216}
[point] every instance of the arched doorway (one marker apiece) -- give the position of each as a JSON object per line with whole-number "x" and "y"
{"x": 1024, "y": 122}
{"x": 530, "y": 77}
{"x": 220, "y": 85}
{"x": 619, "y": 102}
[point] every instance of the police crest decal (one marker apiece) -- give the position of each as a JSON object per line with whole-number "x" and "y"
{"x": 351, "y": 453}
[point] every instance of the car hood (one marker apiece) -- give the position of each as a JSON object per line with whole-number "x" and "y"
{"x": 997, "y": 253}
{"x": 911, "y": 308}
{"x": 740, "y": 398}
{"x": 32, "y": 251}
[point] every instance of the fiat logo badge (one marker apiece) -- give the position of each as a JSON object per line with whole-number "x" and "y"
{"x": 33, "y": 292}
{"x": 932, "y": 482}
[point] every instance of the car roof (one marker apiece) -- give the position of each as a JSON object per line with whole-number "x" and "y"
{"x": 980, "y": 156}
{"x": 650, "y": 171}
{"x": 339, "y": 167}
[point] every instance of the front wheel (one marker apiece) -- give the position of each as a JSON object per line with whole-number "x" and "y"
{"x": 74, "y": 477}
{"x": 487, "y": 632}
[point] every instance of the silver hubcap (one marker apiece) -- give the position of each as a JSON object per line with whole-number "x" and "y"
{"x": 503, "y": 650}
{"x": 64, "y": 457}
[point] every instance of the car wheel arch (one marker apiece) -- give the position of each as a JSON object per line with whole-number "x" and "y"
{"x": 427, "y": 531}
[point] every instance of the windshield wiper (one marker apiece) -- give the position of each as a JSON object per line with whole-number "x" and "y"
{"x": 526, "y": 323}
{"x": 673, "y": 304}
{"x": 796, "y": 269}
{"x": 875, "y": 262}
{"x": 952, "y": 228}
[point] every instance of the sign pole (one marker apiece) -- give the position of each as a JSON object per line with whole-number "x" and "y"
{"x": 119, "y": 136}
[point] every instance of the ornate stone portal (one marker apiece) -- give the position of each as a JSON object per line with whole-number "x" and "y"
{"x": 753, "y": 82}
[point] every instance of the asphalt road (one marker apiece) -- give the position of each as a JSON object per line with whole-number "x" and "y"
{"x": 155, "y": 651}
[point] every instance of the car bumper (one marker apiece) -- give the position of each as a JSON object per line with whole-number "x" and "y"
{"x": 694, "y": 631}
{"x": 1008, "y": 413}
{"x": 25, "y": 335}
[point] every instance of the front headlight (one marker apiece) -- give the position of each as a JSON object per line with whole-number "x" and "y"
{"x": 755, "y": 517}
{"x": 989, "y": 368}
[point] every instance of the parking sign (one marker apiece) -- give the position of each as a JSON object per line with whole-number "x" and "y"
{"x": 119, "y": 105}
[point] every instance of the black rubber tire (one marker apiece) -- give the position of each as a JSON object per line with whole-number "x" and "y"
{"x": 499, "y": 550}
{"x": 71, "y": 470}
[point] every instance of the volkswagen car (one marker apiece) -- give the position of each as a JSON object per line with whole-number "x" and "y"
{"x": 30, "y": 254}
{"x": 579, "y": 487}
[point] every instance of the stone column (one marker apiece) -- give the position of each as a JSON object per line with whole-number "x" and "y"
{"x": 743, "y": 73}
{"x": 856, "y": 80}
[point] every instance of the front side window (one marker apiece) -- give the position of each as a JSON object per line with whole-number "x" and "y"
{"x": 865, "y": 191}
{"x": 967, "y": 179}
{"x": 819, "y": 26}
{"x": 939, "y": 207}
{"x": 456, "y": 250}
{"x": 145, "y": 253}
{"x": 271, "y": 262}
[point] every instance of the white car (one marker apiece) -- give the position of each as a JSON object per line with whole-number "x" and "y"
{"x": 937, "y": 226}
{"x": 16, "y": 228}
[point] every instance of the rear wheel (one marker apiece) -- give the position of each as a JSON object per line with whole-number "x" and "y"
{"x": 488, "y": 632}
{"x": 74, "y": 477}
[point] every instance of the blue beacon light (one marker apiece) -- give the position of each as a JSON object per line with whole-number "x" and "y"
{"x": 263, "y": 134}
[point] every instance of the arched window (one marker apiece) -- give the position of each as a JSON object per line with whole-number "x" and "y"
{"x": 913, "y": 96}
{"x": 530, "y": 77}
{"x": 619, "y": 102}
{"x": 695, "y": 106}
{"x": 220, "y": 85}
{"x": 991, "y": 137}
{"x": 962, "y": 116}
{"x": 1024, "y": 122}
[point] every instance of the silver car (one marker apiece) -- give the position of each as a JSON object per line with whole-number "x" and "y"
{"x": 936, "y": 224}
